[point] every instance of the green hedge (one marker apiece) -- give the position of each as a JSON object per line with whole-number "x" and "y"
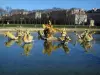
{"x": 40, "y": 26}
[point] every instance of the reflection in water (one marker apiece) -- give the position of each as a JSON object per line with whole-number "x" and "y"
{"x": 27, "y": 48}
{"x": 9, "y": 43}
{"x": 49, "y": 47}
{"x": 85, "y": 40}
{"x": 19, "y": 41}
{"x": 64, "y": 47}
{"x": 86, "y": 45}
{"x": 58, "y": 63}
{"x": 39, "y": 37}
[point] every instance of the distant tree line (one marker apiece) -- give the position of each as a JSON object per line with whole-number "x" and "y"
{"x": 56, "y": 15}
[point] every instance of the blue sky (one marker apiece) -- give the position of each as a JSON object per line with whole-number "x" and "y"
{"x": 44, "y": 4}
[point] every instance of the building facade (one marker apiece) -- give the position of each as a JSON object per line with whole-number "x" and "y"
{"x": 76, "y": 17}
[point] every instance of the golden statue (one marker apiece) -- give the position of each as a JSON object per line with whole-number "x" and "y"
{"x": 85, "y": 36}
{"x": 27, "y": 38}
{"x": 10, "y": 35}
{"x": 47, "y": 33}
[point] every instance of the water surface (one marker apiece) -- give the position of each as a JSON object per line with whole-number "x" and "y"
{"x": 49, "y": 58}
